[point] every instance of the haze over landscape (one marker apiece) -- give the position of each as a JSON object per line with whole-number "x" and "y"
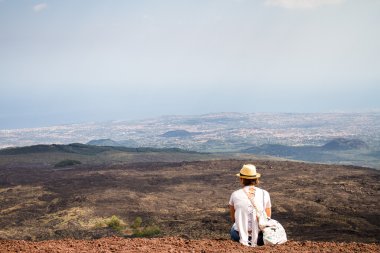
{"x": 125, "y": 119}
{"x": 78, "y": 61}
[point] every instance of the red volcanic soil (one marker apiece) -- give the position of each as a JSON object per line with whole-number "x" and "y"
{"x": 175, "y": 244}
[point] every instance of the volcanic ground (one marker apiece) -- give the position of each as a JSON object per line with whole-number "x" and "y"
{"x": 186, "y": 201}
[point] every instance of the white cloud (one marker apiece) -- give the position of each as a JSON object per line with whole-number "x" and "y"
{"x": 301, "y": 4}
{"x": 40, "y": 7}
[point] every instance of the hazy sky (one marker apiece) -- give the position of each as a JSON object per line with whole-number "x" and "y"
{"x": 77, "y": 61}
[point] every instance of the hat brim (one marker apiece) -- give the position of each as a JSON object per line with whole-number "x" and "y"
{"x": 249, "y": 177}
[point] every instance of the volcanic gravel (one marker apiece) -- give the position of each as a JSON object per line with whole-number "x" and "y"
{"x": 175, "y": 244}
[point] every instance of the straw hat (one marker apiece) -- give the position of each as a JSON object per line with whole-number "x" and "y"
{"x": 248, "y": 171}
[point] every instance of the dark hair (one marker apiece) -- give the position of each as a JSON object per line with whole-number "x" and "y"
{"x": 247, "y": 181}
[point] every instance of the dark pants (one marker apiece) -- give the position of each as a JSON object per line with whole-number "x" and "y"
{"x": 235, "y": 237}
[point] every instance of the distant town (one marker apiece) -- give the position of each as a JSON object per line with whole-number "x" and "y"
{"x": 221, "y": 132}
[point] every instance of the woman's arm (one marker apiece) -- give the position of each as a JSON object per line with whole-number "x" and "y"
{"x": 232, "y": 213}
{"x": 268, "y": 211}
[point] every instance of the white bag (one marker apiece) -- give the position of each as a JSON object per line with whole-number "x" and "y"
{"x": 274, "y": 233}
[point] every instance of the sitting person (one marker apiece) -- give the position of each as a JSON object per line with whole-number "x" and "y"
{"x": 243, "y": 214}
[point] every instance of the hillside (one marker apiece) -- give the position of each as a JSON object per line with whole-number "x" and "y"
{"x": 46, "y": 156}
{"x": 104, "y": 142}
{"x": 178, "y": 134}
{"x": 82, "y": 149}
{"x": 335, "y": 151}
{"x": 345, "y": 144}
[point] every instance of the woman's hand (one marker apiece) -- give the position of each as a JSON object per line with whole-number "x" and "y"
{"x": 268, "y": 211}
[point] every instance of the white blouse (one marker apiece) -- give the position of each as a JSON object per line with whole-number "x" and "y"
{"x": 245, "y": 213}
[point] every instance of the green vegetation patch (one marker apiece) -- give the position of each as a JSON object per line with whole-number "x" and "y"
{"x": 115, "y": 223}
{"x": 139, "y": 231}
{"x": 134, "y": 230}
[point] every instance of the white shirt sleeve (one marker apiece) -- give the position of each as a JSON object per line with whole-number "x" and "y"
{"x": 267, "y": 202}
{"x": 231, "y": 202}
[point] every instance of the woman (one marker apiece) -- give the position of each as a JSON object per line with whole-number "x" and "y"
{"x": 243, "y": 214}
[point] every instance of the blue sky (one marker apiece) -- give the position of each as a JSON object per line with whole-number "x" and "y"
{"x": 77, "y": 61}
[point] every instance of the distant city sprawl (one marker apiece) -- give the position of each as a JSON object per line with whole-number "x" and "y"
{"x": 222, "y": 132}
